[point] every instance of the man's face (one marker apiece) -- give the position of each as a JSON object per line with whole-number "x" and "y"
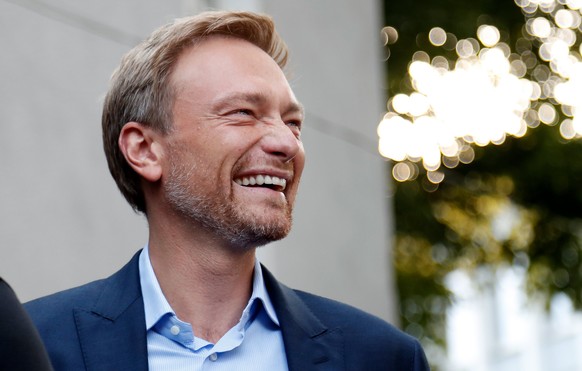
{"x": 234, "y": 157}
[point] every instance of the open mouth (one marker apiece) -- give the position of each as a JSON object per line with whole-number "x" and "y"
{"x": 266, "y": 181}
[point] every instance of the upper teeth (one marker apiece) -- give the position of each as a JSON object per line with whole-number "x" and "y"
{"x": 261, "y": 179}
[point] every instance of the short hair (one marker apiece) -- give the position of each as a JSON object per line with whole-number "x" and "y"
{"x": 140, "y": 88}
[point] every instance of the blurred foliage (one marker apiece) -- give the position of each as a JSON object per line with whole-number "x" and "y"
{"x": 517, "y": 203}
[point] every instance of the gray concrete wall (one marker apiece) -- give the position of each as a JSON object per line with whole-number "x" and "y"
{"x": 62, "y": 220}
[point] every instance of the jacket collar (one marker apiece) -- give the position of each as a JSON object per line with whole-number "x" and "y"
{"x": 309, "y": 344}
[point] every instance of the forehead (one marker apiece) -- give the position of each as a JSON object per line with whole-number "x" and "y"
{"x": 220, "y": 63}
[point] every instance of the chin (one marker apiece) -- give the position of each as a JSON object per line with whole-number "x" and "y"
{"x": 258, "y": 234}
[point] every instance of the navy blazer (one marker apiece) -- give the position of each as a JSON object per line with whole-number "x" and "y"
{"x": 101, "y": 326}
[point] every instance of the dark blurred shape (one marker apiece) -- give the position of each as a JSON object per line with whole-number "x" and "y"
{"x": 20, "y": 345}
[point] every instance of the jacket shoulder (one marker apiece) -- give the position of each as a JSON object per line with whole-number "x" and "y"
{"x": 366, "y": 335}
{"x": 363, "y": 341}
{"x": 353, "y": 320}
{"x": 60, "y": 304}
{"x": 116, "y": 290}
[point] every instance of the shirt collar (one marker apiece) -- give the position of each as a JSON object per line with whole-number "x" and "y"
{"x": 156, "y": 306}
{"x": 260, "y": 293}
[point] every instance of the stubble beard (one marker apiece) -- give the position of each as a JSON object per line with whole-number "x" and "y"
{"x": 217, "y": 212}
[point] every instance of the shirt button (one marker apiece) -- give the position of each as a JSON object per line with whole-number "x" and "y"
{"x": 213, "y": 357}
{"x": 175, "y": 330}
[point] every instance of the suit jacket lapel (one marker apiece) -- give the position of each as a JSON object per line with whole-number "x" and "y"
{"x": 112, "y": 332}
{"x": 309, "y": 344}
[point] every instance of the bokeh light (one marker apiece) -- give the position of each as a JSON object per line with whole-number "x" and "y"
{"x": 479, "y": 101}
{"x": 488, "y": 35}
{"x": 489, "y": 92}
{"x": 557, "y": 31}
{"x": 437, "y": 36}
{"x": 390, "y": 35}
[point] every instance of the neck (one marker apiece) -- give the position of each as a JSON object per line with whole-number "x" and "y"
{"x": 205, "y": 282}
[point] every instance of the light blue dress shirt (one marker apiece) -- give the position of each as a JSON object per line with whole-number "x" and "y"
{"x": 254, "y": 343}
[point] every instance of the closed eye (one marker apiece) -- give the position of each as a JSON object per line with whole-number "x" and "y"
{"x": 242, "y": 111}
{"x": 296, "y": 124}
{"x": 295, "y": 127}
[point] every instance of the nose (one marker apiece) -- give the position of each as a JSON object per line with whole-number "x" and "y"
{"x": 281, "y": 141}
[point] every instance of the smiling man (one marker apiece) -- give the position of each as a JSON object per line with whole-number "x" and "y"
{"x": 202, "y": 134}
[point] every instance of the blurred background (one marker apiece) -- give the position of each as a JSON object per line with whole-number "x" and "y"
{"x": 483, "y": 124}
{"x": 441, "y": 190}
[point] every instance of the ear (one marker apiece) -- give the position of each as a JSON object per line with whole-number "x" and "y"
{"x": 140, "y": 147}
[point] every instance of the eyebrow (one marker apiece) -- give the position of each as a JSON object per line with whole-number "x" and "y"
{"x": 256, "y": 98}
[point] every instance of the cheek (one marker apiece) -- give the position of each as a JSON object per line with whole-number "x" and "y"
{"x": 300, "y": 161}
{"x": 239, "y": 151}
{"x": 244, "y": 151}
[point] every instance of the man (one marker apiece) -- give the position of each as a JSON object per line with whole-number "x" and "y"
{"x": 20, "y": 346}
{"x": 203, "y": 135}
